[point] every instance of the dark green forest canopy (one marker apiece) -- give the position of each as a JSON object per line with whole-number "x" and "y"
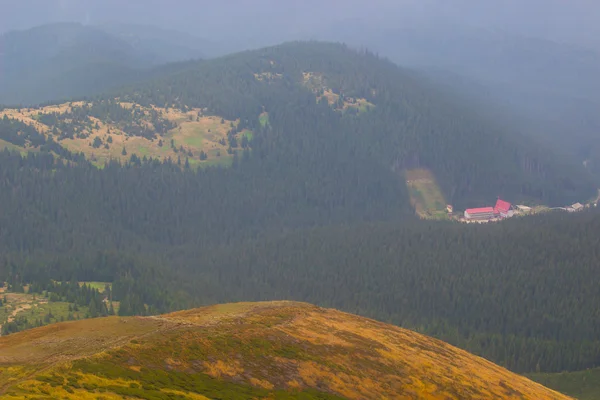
{"x": 316, "y": 209}
{"x": 413, "y": 124}
{"x": 522, "y": 293}
{"x": 408, "y": 123}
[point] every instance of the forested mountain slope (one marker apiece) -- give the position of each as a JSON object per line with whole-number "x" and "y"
{"x": 303, "y": 101}
{"x": 548, "y": 89}
{"x": 312, "y": 204}
{"x": 281, "y": 350}
{"x": 522, "y": 293}
{"x": 411, "y": 124}
{"x": 166, "y": 45}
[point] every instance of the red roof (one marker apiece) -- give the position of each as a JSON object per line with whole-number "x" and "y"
{"x": 502, "y": 206}
{"x": 483, "y": 210}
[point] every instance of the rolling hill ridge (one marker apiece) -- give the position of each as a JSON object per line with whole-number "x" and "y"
{"x": 326, "y": 104}
{"x": 242, "y": 350}
{"x": 65, "y": 60}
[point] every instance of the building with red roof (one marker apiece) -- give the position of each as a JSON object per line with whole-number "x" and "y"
{"x": 502, "y": 208}
{"x": 480, "y": 213}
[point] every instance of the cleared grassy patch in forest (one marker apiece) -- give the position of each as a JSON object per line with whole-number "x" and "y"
{"x": 246, "y": 133}
{"x": 264, "y": 119}
{"x": 267, "y": 76}
{"x": 197, "y": 137}
{"x": 12, "y": 147}
{"x": 317, "y": 83}
{"x": 425, "y": 194}
{"x": 30, "y": 115}
{"x": 283, "y": 350}
{"x": 100, "y": 286}
{"x": 583, "y": 385}
{"x": 362, "y": 105}
{"x": 37, "y": 308}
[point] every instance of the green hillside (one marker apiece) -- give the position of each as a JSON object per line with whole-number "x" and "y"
{"x": 325, "y": 98}
{"x": 308, "y": 200}
{"x": 282, "y": 350}
{"x": 168, "y": 239}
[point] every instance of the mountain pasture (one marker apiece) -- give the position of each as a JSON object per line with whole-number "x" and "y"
{"x": 34, "y": 306}
{"x": 425, "y": 194}
{"x": 100, "y": 286}
{"x": 202, "y": 139}
{"x": 316, "y": 82}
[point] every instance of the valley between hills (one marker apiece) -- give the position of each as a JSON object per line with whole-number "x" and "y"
{"x": 306, "y": 171}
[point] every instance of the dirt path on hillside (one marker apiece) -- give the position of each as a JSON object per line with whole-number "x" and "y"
{"x": 17, "y": 310}
{"x": 21, "y": 303}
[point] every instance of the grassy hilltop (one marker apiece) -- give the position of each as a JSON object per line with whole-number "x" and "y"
{"x": 247, "y": 350}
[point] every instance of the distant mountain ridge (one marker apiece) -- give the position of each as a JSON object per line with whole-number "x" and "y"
{"x": 69, "y": 59}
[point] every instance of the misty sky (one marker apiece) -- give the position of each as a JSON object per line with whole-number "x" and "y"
{"x": 272, "y": 21}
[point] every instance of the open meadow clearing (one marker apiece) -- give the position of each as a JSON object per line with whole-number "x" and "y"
{"x": 425, "y": 194}
{"x": 191, "y": 135}
{"x": 36, "y": 309}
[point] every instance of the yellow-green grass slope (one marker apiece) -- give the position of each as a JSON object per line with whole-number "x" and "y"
{"x": 247, "y": 350}
{"x": 425, "y": 194}
{"x": 194, "y": 132}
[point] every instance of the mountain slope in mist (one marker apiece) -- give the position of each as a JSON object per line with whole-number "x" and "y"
{"x": 68, "y": 59}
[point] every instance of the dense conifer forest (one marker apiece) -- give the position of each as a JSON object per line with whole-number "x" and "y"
{"x": 522, "y": 293}
{"x": 412, "y": 123}
{"x": 315, "y": 208}
{"x": 367, "y": 107}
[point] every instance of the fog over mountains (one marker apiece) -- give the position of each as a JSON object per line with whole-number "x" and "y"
{"x": 572, "y": 22}
{"x": 158, "y": 155}
{"x": 533, "y": 63}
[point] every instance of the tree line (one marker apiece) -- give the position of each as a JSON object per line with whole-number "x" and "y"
{"x": 316, "y": 209}
{"x": 522, "y": 293}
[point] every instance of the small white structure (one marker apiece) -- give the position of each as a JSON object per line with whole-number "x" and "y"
{"x": 577, "y": 207}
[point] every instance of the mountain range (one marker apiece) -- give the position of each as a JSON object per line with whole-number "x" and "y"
{"x": 68, "y": 59}
{"x": 308, "y": 171}
{"x": 318, "y": 96}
